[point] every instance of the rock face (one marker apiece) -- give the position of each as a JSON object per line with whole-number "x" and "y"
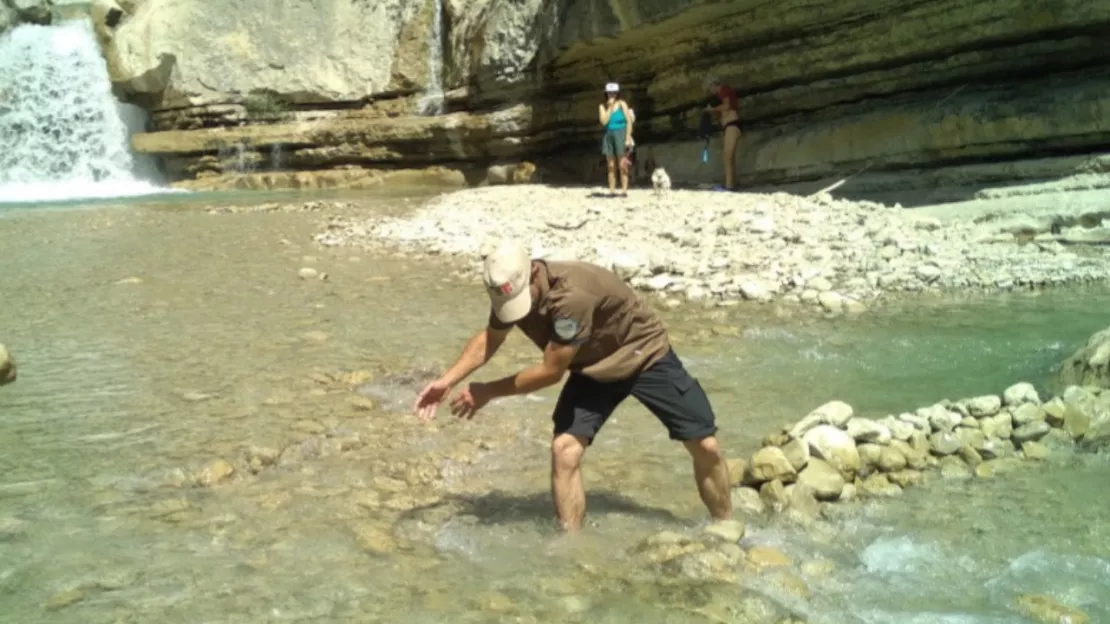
{"x": 15, "y": 12}
{"x": 911, "y": 88}
{"x": 8, "y": 372}
{"x": 1090, "y": 365}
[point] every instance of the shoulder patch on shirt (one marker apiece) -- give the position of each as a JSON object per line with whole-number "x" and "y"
{"x": 566, "y": 328}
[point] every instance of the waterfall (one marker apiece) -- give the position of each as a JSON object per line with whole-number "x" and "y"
{"x": 63, "y": 134}
{"x": 432, "y": 102}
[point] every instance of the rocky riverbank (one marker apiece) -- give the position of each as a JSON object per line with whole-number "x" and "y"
{"x": 823, "y": 465}
{"x": 712, "y": 247}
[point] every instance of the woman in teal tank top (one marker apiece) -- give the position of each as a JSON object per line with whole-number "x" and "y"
{"x": 617, "y": 119}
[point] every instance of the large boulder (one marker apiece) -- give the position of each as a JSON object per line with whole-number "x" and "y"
{"x": 8, "y": 372}
{"x": 1090, "y": 365}
{"x": 189, "y": 53}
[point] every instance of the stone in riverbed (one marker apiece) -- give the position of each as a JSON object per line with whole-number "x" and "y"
{"x": 866, "y": 430}
{"x": 737, "y": 469}
{"x": 1030, "y": 432}
{"x": 747, "y": 501}
{"x": 835, "y": 413}
{"x": 970, "y": 456}
{"x": 766, "y": 557}
{"x": 1048, "y": 610}
{"x": 899, "y": 429}
{"x": 868, "y": 457}
{"x": 996, "y": 448}
{"x": 1054, "y": 411}
{"x": 769, "y": 463}
{"x": 8, "y": 371}
{"x": 1027, "y": 413}
{"x": 214, "y": 472}
{"x": 987, "y": 405}
{"x": 836, "y": 447}
{"x": 1090, "y": 365}
{"x": 797, "y": 451}
{"x": 728, "y": 531}
{"x": 1019, "y": 393}
{"x": 906, "y": 478}
{"x": 1034, "y": 450}
{"x": 952, "y": 467}
{"x": 939, "y": 417}
{"x": 822, "y": 479}
{"x": 915, "y": 459}
{"x": 1003, "y": 423}
{"x": 773, "y": 495}
{"x": 918, "y": 422}
{"x": 945, "y": 442}
{"x": 879, "y": 485}
{"x": 1087, "y": 416}
{"x": 374, "y": 539}
{"x": 891, "y": 459}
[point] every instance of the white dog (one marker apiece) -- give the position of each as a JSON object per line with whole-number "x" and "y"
{"x": 660, "y": 181}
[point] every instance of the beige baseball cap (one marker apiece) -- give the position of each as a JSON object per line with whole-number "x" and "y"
{"x": 507, "y": 273}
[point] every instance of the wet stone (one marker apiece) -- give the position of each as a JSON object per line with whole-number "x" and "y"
{"x": 728, "y": 531}
{"x": 747, "y": 501}
{"x": 214, "y": 472}
{"x": 952, "y": 467}
{"x": 1048, "y": 610}
{"x": 879, "y": 485}
{"x": 11, "y": 528}
{"x": 1031, "y": 432}
{"x": 766, "y": 557}
{"x": 945, "y": 442}
{"x": 1027, "y": 413}
{"x": 64, "y": 599}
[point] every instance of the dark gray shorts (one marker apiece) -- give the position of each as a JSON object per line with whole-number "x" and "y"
{"x": 665, "y": 388}
{"x": 612, "y": 143}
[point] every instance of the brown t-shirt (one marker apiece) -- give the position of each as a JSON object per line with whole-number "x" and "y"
{"x": 582, "y": 304}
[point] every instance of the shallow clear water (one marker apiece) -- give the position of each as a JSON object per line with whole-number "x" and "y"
{"x": 152, "y": 341}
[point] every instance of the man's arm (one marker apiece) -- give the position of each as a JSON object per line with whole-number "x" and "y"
{"x": 478, "y": 350}
{"x": 556, "y": 360}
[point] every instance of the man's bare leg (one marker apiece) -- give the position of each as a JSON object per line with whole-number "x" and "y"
{"x": 711, "y": 474}
{"x": 566, "y": 480}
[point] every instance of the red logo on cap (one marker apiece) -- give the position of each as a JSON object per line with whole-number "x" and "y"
{"x": 506, "y": 289}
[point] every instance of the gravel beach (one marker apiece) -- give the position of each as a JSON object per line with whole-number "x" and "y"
{"x": 721, "y": 248}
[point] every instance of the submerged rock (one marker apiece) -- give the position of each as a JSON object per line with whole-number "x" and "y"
{"x": 8, "y": 372}
{"x": 1048, "y": 610}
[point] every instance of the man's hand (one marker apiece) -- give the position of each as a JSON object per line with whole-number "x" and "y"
{"x": 472, "y": 398}
{"x": 427, "y": 402}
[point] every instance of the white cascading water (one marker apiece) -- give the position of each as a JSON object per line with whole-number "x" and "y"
{"x": 63, "y": 135}
{"x": 432, "y": 102}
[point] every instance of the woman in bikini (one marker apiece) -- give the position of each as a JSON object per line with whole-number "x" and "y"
{"x": 730, "y": 125}
{"x": 616, "y": 117}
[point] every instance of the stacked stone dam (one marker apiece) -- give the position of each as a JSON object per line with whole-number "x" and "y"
{"x": 833, "y": 455}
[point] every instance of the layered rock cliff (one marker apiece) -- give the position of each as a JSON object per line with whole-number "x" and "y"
{"x": 916, "y": 93}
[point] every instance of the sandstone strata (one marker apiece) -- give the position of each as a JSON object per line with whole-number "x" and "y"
{"x": 914, "y": 91}
{"x": 693, "y": 246}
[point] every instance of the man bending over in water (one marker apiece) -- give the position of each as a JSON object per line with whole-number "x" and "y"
{"x": 587, "y": 321}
